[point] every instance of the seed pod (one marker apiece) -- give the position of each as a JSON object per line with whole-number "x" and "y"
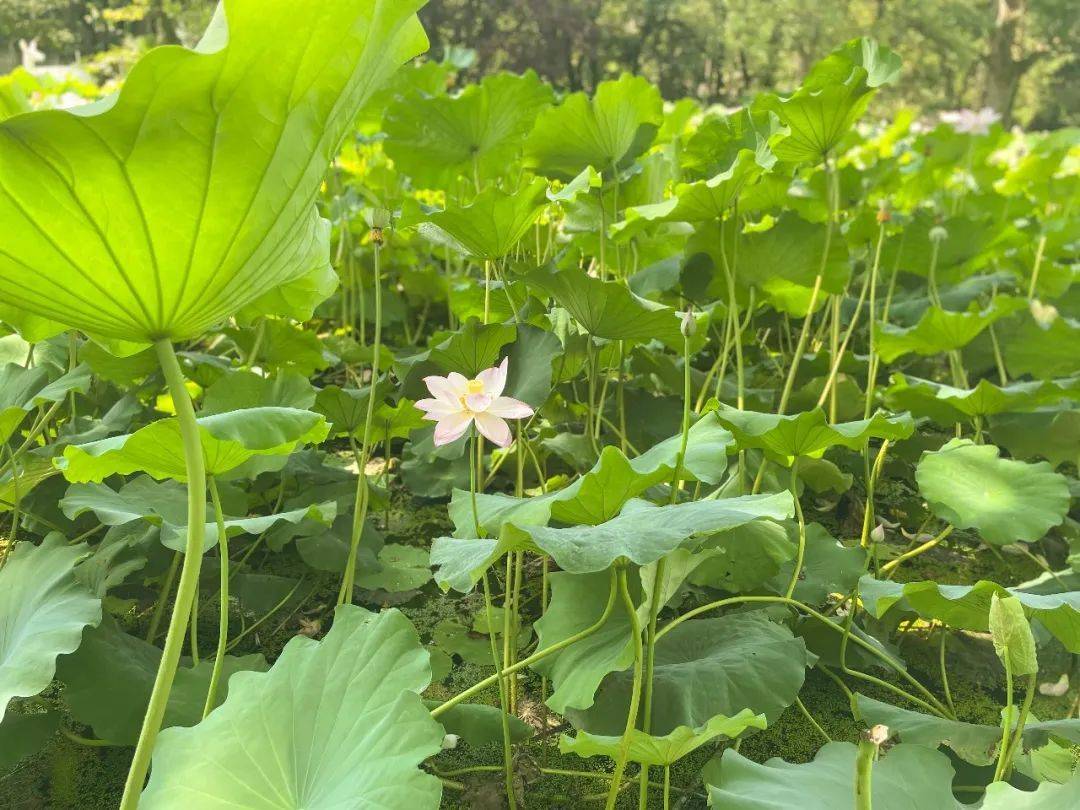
{"x": 938, "y": 234}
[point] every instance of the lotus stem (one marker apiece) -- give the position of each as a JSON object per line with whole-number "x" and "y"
{"x": 189, "y": 573}
{"x": 635, "y": 694}
{"x": 801, "y": 554}
{"x": 223, "y": 599}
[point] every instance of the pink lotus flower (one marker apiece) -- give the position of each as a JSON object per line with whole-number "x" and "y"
{"x": 458, "y": 402}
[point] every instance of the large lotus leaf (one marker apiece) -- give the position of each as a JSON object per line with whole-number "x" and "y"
{"x": 245, "y": 389}
{"x": 787, "y": 437}
{"x": 707, "y": 667}
{"x": 478, "y": 133}
{"x": 18, "y": 482}
{"x": 718, "y": 141}
{"x": 828, "y": 566}
{"x": 644, "y": 533}
{"x": 940, "y": 330}
{"x": 24, "y": 734}
{"x": 1047, "y": 796}
{"x": 1006, "y": 501}
{"x": 480, "y": 725}
{"x": 164, "y": 504}
{"x": 605, "y": 132}
{"x": 739, "y": 560}
{"x": 162, "y": 210}
{"x": 833, "y": 97}
{"x": 967, "y": 607}
{"x": 790, "y": 251}
{"x": 1043, "y": 353}
{"x": 973, "y": 742}
{"x": 904, "y": 778}
{"x": 474, "y": 347}
{"x": 608, "y": 309}
{"x": 601, "y": 493}
{"x": 666, "y": 750}
{"x": 492, "y": 224}
{"x": 710, "y": 199}
{"x": 947, "y": 405}
{"x": 403, "y": 568}
{"x": 340, "y": 724}
{"x": 108, "y": 681}
{"x": 1050, "y": 433}
{"x": 228, "y": 440}
{"x": 346, "y": 408}
{"x": 23, "y": 389}
{"x": 43, "y": 610}
{"x": 577, "y": 603}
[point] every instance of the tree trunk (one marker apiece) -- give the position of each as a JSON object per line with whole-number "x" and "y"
{"x": 1004, "y": 67}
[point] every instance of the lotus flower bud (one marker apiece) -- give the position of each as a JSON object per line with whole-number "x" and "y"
{"x": 883, "y": 214}
{"x": 1044, "y": 314}
{"x": 688, "y": 324}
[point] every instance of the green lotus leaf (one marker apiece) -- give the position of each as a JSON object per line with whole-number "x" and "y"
{"x": 23, "y": 389}
{"x": 22, "y": 479}
{"x": 480, "y": 725}
{"x": 939, "y": 330}
{"x": 739, "y": 560}
{"x": 787, "y": 437}
{"x": 607, "y": 131}
{"x": 228, "y": 440}
{"x": 158, "y": 212}
{"x": 666, "y": 750}
{"x": 706, "y": 667}
{"x": 403, "y": 568}
{"x": 1050, "y": 433}
{"x": 43, "y": 611}
{"x": 1047, "y": 796}
{"x": 644, "y": 533}
{"x": 281, "y": 344}
{"x": 473, "y": 348}
{"x": 709, "y": 200}
{"x": 24, "y": 734}
{"x": 828, "y": 567}
{"x": 973, "y": 742}
{"x": 108, "y": 680}
{"x": 905, "y": 777}
{"x": 492, "y": 224}
{"x": 477, "y": 133}
{"x": 1043, "y": 353}
{"x": 532, "y": 354}
{"x": 833, "y": 97}
{"x": 607, "y": 309}
{"x": 340, "y": 724}
{"x": 1006, "y": 501}
{"x": 346, "y": 408}
{"x": 585, "y": 181}
{"x": 164, "y": 504}
{"x": 719, "y": 140}
{"x": 967, "y": 607}
{"x": 601, "y": 493}
{"x": 947, "y": 405}
{"x": 246, "y": 389}
{"x": 577, "y": 603}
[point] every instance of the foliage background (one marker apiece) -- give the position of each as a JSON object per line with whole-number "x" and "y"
{"x": 1020, "y": 56}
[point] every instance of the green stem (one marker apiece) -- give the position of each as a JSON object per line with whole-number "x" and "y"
{"x": 871, "y": 380}
{"x": 1018, "y": 733}
{"x": 189, "y": 574}
{"x": 539, "y": 655}
{"x": 345, "y": 594}
{"x": 864, "y": 768}
{"x": 1006, "y": 723}
{"x": 635, "y": 693}
{"x": 508, "y": 755}
{"x": 223, "y": 599}
{"x": 801, "y": 554}
{"x": 163, "y": 597}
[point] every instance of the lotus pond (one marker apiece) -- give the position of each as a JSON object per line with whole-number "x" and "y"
{"x": 372, "y": 437}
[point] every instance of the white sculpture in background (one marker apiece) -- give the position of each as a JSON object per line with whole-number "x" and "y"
{"x": 33, "y": 61}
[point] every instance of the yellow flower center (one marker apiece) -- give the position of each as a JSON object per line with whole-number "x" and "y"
{"x": 474, "y": 387}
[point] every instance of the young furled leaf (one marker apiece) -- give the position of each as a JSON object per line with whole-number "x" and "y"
{"x": 1011, "y": 634}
